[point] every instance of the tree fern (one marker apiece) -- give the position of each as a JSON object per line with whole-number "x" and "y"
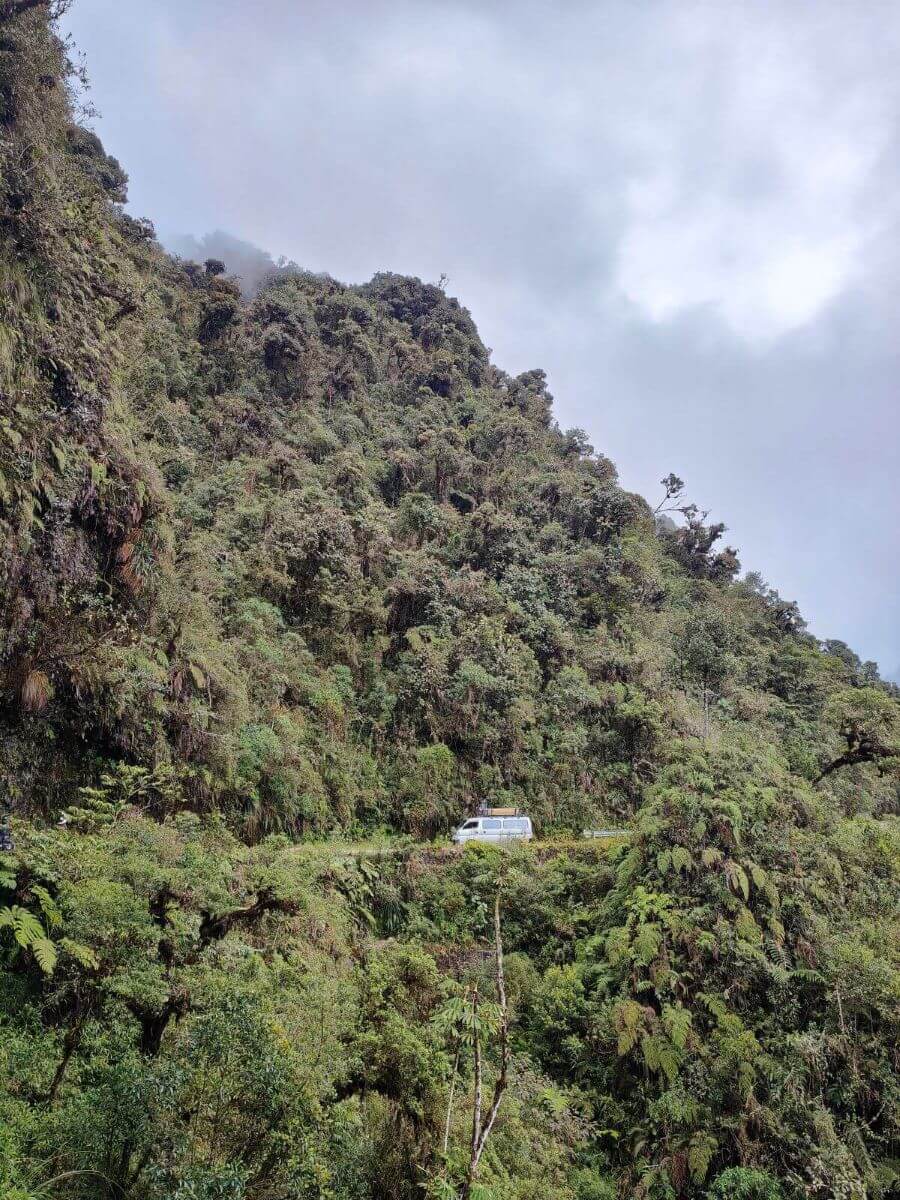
{"x": 44, "y": 953}
{"x": 682, "y": 859}
{"x": 83, "y": 955}
{"x": 700, "y": 1154}
{"x": 677, "y": 1022}
{"x": 24, "y": 925}
{"x": 48, "y": 906}
{"x": 30, "y": 934}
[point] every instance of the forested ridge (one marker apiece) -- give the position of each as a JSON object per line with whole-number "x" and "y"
{"x": 289, "y": 584}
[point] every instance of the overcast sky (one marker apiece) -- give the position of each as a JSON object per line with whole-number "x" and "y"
{"x": 687, "y": 213}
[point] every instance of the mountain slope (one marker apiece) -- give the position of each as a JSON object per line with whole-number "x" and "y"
{"x": 309, "y": 563}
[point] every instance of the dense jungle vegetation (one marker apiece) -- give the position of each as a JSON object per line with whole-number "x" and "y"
{"x": 290, "y": 583}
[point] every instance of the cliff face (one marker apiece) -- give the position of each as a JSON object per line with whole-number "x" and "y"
{"x": 309, "y": 562}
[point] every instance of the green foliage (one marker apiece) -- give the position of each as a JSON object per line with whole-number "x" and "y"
{"x": 29, "y": 934}
{"x": 306, "y": 565}
{"x": 868, "y": 720}
{"x": 744, "y": 1183}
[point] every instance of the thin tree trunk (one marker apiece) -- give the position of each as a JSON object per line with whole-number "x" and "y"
{"x": 450, "y": 1101}
{"x": 500, "y": 1086}
{"x": 70, "y": 1044}
{"x": 476, "y": 1107}
{"x": 482, "y": 1131}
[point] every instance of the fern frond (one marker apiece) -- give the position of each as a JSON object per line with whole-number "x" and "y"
{"x": 45, "y": 954}
{"x": 83, "y": 955}
{"x": 26, "y": 927}
{"x": 48, "y": 906}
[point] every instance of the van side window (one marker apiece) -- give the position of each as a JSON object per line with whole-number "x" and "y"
{"x": 470, "y": 825}
{"x": 516, "y": 825}
{"x": 494, "y": 824}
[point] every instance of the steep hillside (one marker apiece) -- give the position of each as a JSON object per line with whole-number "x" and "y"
{"x": 309, "y": 565}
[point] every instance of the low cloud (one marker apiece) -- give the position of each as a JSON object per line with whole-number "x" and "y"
{"x": 248, "y": 263}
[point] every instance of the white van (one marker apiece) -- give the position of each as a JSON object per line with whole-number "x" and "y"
{"x": 494, "y": 829}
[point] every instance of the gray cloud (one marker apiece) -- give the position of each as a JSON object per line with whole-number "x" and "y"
{"x": 686, "y": 211}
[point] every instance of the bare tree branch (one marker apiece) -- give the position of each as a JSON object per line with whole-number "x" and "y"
{"x": 863, "y": 753}
{"x": 214, "y": 927}
{"x": 674, "y": 489}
